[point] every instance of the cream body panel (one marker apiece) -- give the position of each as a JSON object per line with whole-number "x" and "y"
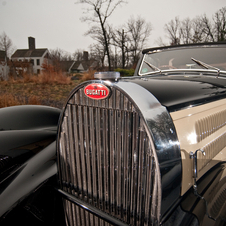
{"x": 201, "y": 127}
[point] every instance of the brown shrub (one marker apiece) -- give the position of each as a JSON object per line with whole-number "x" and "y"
{"x": 46, "y": 77}
{"x": 88, "y": 75}
{"x": 53, "y": 78}
{"x": 52, "y": 74}
{"x": 7, "y": 100}
{"x": 27, "y": 78}
{"x": 34, "y": 100}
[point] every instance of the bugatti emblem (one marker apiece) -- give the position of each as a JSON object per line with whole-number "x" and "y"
{"x": 96, "y": 91}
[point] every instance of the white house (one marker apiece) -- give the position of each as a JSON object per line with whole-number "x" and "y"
{"x": 32, "y": 55}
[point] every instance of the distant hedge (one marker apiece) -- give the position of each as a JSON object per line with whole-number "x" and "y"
{"x": 125, "y": 72}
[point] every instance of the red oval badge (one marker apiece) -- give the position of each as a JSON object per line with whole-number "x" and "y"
{"x": 96, "y": 91}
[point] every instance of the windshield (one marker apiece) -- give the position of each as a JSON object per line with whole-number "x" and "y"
{"x": 180, "y": 58}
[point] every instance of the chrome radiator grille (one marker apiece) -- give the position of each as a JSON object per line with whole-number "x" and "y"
{"x": 106, "y": 159}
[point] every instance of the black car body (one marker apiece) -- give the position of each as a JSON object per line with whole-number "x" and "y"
{"x": 143, "y": 150}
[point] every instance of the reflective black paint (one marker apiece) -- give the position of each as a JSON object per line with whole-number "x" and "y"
{"x": 28, "y": 117}
{"x": 177, "y": 91}
{"x": 212, "y": 186}
{"x": 27, "y": 151}
{"x": 24, "y": 131}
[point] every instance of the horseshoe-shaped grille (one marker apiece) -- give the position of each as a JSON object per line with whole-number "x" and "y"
{"x": 106, "y": 160}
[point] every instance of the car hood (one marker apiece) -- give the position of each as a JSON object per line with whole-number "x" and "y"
{"x": 181, "y": 91}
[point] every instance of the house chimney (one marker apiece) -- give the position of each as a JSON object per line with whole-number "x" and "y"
{"x": 85, "y": 55}
{"x": 31, "y": 43}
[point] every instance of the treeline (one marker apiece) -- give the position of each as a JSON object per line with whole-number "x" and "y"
{"x": 197, "y": 30}
{"x": 121, "y": 47}
{"x": 125, "y": 44}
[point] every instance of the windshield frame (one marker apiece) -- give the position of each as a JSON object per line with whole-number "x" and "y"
{"x": 190, "y": 47}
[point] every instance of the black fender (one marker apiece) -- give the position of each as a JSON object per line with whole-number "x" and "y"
{"x": 27, "y": 152}
{"x": 207, "y": 207}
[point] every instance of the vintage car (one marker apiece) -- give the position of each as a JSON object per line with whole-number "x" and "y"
{"x": 143, "y": 150}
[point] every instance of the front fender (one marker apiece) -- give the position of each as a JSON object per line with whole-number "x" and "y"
{"x": 27, "y": 151}
{"x": 27, "y": 177}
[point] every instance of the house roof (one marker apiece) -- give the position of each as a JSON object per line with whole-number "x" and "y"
{"x": 66, "y": 65}
{"x": 28, "y": 53}
{"x": 2, "y": 55}
{"x": 84, "y": 65}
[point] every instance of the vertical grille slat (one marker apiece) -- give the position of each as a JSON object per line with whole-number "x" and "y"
{"x": 99, "y": 158}
{"x": 93, "y": 153}
{"x": 82, "y": 153}
{"x": 77, "y": 153}
{"x": 71, "y": 146}
{"x": 134, "y": 188}
{"x": 88, "y": 163}
{"x": 106, "y": 160}
{"x": 118, "y": 164}
{"x": 112, "y": 163}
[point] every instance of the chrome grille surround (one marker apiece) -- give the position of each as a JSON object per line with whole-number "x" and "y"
{"x": 107, "y": 160}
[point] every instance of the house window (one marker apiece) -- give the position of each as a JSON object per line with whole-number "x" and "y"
{"x": 38, "y": 71}
{"x": 38, "y": 61}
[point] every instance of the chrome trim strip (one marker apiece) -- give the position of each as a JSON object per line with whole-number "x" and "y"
{"x": 188, "y": 71}
{"x": 92, "y": 209}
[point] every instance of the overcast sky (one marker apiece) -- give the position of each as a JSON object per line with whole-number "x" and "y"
{"x": 57, "y": 23}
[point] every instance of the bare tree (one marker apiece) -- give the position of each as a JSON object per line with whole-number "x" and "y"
{"x": 57, "y": 55}
{"x": 207, "y": 29}
{"x": 78, "y": 55}
{"x": 198, "y": 30}
{"x": 172, "y": 29}
{"x": 160, "y": 42}
{"x": 102, "y": 9}
{"x": 203, "y": 30}
{"x": 186, "y": 31}
{"x": 139, "y": 31}
{"x": 220, "y": 25}
{"x": 97, "y": 53}
{"x": 6, "y": 44}
{"x": 60, "y": 55}
{"x": 121, "y": 40}
{"x": 96, "y": 33}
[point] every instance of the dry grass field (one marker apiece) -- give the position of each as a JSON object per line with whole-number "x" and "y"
{"x": 51, "y": 90}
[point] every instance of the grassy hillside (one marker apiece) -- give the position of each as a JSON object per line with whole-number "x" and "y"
{"x": 49, "y": 90}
